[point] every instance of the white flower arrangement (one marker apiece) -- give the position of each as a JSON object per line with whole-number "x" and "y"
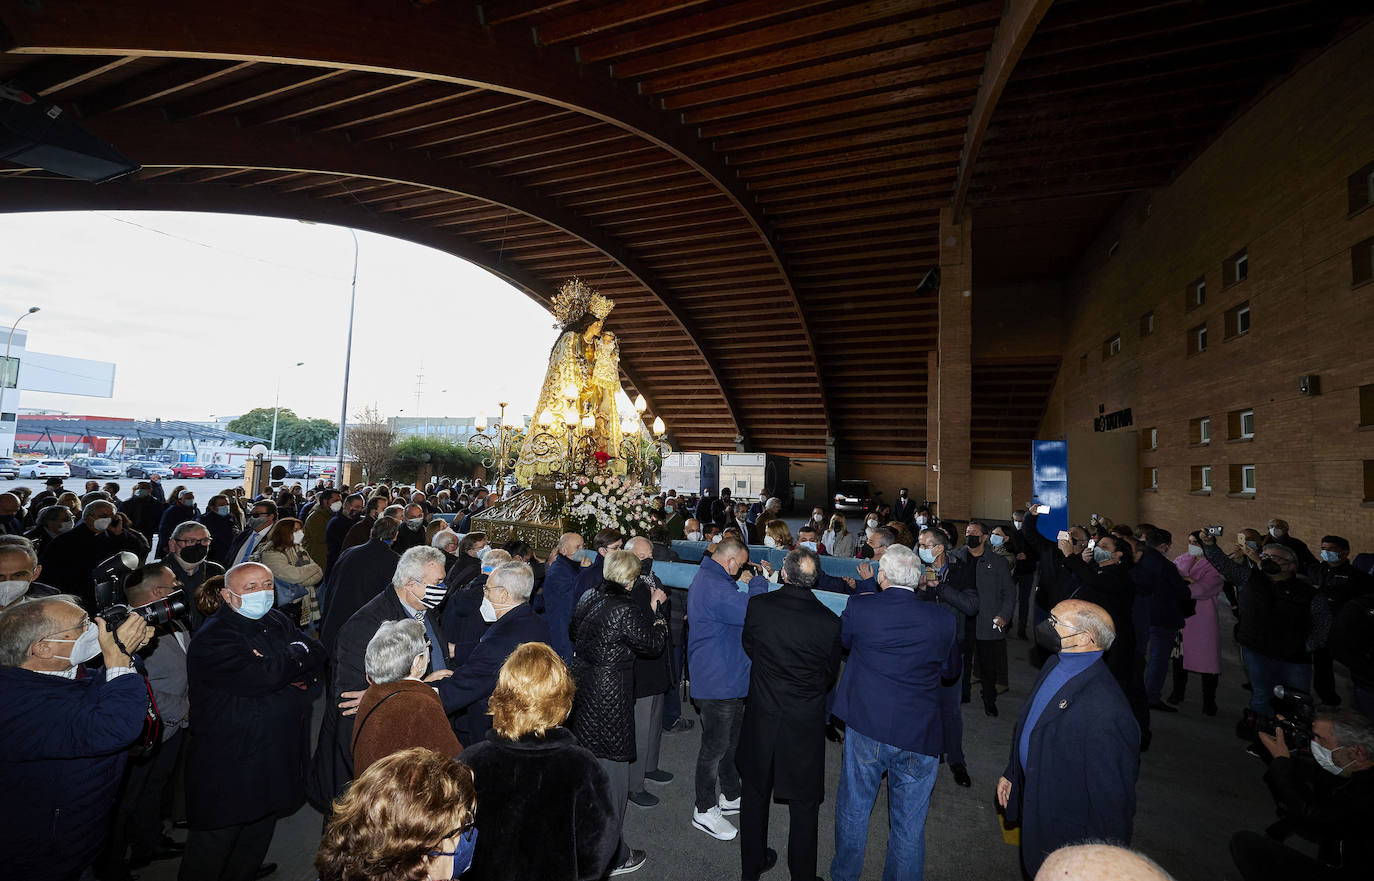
{"x": 607, "y": 501}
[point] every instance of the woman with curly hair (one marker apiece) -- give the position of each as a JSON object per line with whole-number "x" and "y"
{"x": 409, "y": 817}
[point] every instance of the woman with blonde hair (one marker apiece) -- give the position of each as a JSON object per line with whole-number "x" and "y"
{"x": 408, "y": 817}
{"x": 838, "y": 539}
{"x": 284, "y": 553}
{"x": 777, "y": 535}
{"x": 546, "y": 801}
{"x": 70, "y": 501}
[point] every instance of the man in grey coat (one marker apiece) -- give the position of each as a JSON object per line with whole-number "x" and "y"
{"x": 996, "y": 601}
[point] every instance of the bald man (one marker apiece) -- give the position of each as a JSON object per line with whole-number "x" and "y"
{"x": 560, "y": 582}
{"x": 1075, "y": 755}
{"x": 1099, "y": 862}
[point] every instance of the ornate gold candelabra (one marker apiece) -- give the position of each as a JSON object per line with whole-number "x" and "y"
{"x": 643, "y": 453}
{"x": 498, "y": 450}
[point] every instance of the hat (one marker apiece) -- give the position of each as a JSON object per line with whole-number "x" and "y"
{"x": 53, "y": 481}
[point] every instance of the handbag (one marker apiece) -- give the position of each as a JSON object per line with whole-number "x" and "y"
{"x": 288, "y": 592}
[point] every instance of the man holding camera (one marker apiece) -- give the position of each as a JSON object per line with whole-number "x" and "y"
{"x": 1327, "y": 798}
{"x": 65, "y": 730}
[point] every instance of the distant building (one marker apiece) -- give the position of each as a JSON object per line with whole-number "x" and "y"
{"x": 28, "y": 371}
{"x": 452, "y": 428}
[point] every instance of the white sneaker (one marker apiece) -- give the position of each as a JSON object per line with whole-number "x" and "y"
{"x": 728, "y": 807}
{"x": 713, "y": 824}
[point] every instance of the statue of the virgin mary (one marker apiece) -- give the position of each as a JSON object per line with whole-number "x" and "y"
{"x": 583, "y": 378}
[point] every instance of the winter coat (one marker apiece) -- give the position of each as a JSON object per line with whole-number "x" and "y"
{"x": 222, "y": 534}
{"x": 716, "y": 608}
{"x": 544, "y": 812}
{"x": 608, "y": 630}
{"x": 68, "y": 559}
{"x": 559, "y": 599}
{"x": 996, "y": 591}
{"x": 172, "y": 517}
{"x": 393, "y": 716}
{"x": 356, "y": 579}
{"x": 465, "y": 694}
{"x": 1201, "y": 632}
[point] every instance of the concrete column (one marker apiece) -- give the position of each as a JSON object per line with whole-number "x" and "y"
{"x": 952, "y": 379}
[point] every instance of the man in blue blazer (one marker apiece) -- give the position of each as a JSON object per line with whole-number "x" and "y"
{"x": 1075, "y": 754}
{"x": 506, "y": 604}
{"x": 901, "y": 650}
{"x": 560, "y": 586}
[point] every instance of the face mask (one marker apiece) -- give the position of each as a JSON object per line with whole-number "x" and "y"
{"x": 1331, "y": 557}
{"x": 715, "y": 539}
{"x": 336, "y": 506}
{"x": 1252, "y": 545}
{"x": 1101, "y": 555}
{"x": 222, "y": 510}
{"x": 65, "y": 526}
{"x": 1195, "y": 550}
{"x": 646, "y": 566}
{"x": 973, "y": 541}
{"x": 1016, "y": 523}
{"x": 1048, "y": 638}
{"x": 818, "y": 518}
{"x": 257, "y": 522}
{"x": 809, "y": 545}
{"x": 415, "y": 522}
{"x": 193, "y": 554}
{"x": 872, "y": 522}
{"x": 488, "y": 610}
{"x": 12, "y": 590}
{"x": 141, "y": 493}
{"x": 100, "y": 524}
{"x": 482, "y": 551}
{"x": 298, "y": 536}
{"x": 256, "y": 604}
{"x": 694, "y": 536}
{"x": 920, "y": 521}
{"x": 462, "y": 852}
{"x": 1325, "y": 758}
{"x": 190, "y": 503}
{"x": 84, "y": 647}
{"x": 769, "y": 541}
{"x": 1276, "y": 532}
{"x": 927, "y": 555}
{"x": 1269, "y": 567}
{"x": 995, "y": 540}
{"x": 434, "y": 594}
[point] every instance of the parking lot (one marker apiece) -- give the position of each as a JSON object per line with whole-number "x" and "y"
{"x": 203, "y": 488}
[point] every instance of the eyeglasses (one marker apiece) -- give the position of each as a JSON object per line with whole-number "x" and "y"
{"x": 193, "y": 541}
{"x": 1276, "y": 558}
{"x": 85, "y": 622}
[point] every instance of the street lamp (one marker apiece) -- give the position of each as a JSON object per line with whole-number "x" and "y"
{"x": 276, "y": 405}
{"x": 348, "y": 356}
{"x": 4, "y": 380}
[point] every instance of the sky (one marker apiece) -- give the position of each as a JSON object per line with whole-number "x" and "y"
{"x": 203, "y": 314}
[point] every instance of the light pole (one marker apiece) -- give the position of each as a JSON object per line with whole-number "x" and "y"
{"x": 276, "y": 405}
{"x": 4, "y": 380}
{"x": 348, "y": 361}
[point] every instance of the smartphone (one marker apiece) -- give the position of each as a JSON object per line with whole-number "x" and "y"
{"x": 1092, "y": 543}
{"x": 1062, "y": 536}
{"x": 1042, "y": 509}
{"x": 1213, "y": 530}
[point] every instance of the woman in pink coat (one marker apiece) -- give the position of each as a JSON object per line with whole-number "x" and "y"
{"x": 1202, "y": 631}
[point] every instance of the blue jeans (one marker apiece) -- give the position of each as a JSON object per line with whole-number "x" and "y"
{"x": 910, "y": 780}
{"x": 1161, "y": 646}
{"x": 1265, "y": 673}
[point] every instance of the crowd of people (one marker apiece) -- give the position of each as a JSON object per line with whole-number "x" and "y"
{"x": 491, "y": 712}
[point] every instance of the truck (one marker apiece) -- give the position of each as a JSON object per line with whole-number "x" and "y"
{"x": 690, "y": 473}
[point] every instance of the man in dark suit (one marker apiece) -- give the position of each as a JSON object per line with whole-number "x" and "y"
{"x": 336, "y": 530}
{"x": 793, "y": 642}
{"x": 1080, "y": 742}
{"x": 905, "y": 509}
{"x": 901, "y": 651}
{"x": 739, "y": 521}
{"x": 360, "y": 574}
{"x": 513, "y": 622}
{"x": 249, "y": 669}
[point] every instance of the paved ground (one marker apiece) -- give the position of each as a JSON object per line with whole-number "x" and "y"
{"x": 1197, "y": 786}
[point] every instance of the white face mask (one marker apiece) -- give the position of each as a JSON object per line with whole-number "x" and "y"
{"x": 482, "y": 551}
{"x": 1276, "y": 532}
{"x": 100, "y": 524}
{"x": 1195, "y": 550}
{"x": 298, "y": 536}
{"x": 336, "y": 507}
{"x": 869, "y": 531}
{"x": 715, "y": 539}
{"x": 809, "y": 545}
{"x": 920, "y": 521}
{"x": 1325, "y": 758}
{"x": 415, "y": 522}
{"x": 12, "y": 590}
{"x": 694, "y": 536}
{"x": 873, "y": 522}
{"x": 488, "y": 610}
{"x": 769, "y": 541}
{"x": 84, "y": 647}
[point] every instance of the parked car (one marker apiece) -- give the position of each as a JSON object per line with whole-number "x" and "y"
{"x": 221, "y": 471}
{"x": 9, "y": 469}
{"x": 182, "y": 470}
{"x": 86, "y": 466}
{"x": 146, "y": 469}
{"x": 308, "y": 471}
{"x": 853, "y": 496}
{"x": 45, "y": 468}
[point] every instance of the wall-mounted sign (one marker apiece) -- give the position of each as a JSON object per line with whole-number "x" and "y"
{"x": 1113, "y": 421}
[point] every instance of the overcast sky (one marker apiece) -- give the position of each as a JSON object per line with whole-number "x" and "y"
{"x": 202, "y": 312}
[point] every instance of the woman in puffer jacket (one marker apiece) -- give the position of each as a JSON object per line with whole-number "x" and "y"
{"x": 608, "y": 631}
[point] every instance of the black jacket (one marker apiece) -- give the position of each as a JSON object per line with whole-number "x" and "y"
{"x": 653, "y": 673}
{"x": 1275, "y": 616}
{"x": 1170, "y": 590}
{"x": 957, "y": 591}
{"x": 461, "y": 572}
{"x": 460, "y": 619}
{"x": 793, "y": 642}
{"x": 407, "y": 538}
{"x": 145, "y": 512}
{"x": 248, "y": 684}
{"x": 222, "y": 533}
{"x": 334, "y": 533}
{"x": 1335, "y": 812}
{"x": 608, "y": 630}
{"x": 1111, "y": 588}
{"x": 546, "y": 810}
{"x": 69, "y": 558}
{"x": 465, "y": 694}
{"x": 356, "y": 578}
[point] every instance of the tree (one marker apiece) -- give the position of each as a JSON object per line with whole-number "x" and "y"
{"x": 258, "y": 422}
{"x": 372, "y": 442}
{"x": 446, "y": 457}
{"x": 294, "y": 434}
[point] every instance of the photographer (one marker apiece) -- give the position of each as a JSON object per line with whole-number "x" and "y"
{"x": 1329, "y": 801}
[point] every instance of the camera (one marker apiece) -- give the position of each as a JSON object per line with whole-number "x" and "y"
{"x": 1214, "y": 531}
{"x": 109, "y": 578}
{"x": 1298, "y": 711}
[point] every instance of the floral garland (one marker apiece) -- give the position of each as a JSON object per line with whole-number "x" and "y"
{"x": 607, "y": 501}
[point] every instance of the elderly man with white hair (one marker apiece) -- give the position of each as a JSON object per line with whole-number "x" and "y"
{"x": 505, "y": 603}
{"x": 399, "y": 710}
{"x": 1075, "y": 755}
{"x": 248, "y": 670}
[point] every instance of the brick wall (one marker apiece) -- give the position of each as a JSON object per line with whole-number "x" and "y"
{"x": 1274, "y": 183}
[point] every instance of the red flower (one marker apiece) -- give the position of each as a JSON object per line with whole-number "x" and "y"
{"x": 602, "y": 457}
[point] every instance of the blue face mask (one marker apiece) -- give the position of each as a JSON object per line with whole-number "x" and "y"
{"x": 995, "y": 540}
{"x": 461, "y": 853}
{"x": 927, "y": 555}
{"x": 256, "y": 604}
{"x": 1101, "y": 555}
{"x": 222, "y": 510}
{"x": 1331, "y": 557}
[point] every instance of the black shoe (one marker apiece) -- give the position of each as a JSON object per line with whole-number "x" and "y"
{"x": 1247, "y": 686}
{"x": 264, "y": 870}
{"x": 990, "y": 709}
{"x": 682, "y": 724}
{"x": 834, "y": 731}
{"x": 658, "y": 775}
{"x": 1175, "y": 698}
{"x": 644, "y": 799}
{"x": 770, "y": 859}
{"x": 961, "y": 776}
{"x": 1245, "y": 728}
{"x": 181, "y": 824}
{"x": 1163, "y": 707}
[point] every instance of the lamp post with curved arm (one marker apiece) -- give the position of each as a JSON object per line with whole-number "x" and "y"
{"x": 4, "y": 380}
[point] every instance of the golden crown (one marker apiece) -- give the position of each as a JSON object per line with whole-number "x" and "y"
{"x": 574, "y": 299}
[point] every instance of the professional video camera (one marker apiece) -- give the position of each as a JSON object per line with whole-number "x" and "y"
{"x": 109, "y": 595}
{"x": 1298, "y": 712}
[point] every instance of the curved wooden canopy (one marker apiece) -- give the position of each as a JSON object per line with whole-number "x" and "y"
{"x": 756, "y": 182}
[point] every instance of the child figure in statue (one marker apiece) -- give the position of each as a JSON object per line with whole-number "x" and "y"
{"x": 606, "y": 385}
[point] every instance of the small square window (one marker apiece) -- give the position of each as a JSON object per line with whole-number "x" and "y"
{"x": 1195, "y": 294}
{"x": 1112, "y": 347}
{"x": 1200, "y": 430}
{"x": 1238, "y": 320}
{"x": 1362, "y": 188}
{"x": 1240, "y": 424}
{"x": 1149, "y": 438}
{"x": 1202, "y": 478}
{"x": 1197, "y": 339}
{"x": 1149, "y": 478}
{"x": 1247, "y": 423}
{"x": 1361, "y": 262}
{"x": 1242, "y": 479}
{"x": 1242, "y": 319}
{"x": 1147, "y": 324}
{"x": 1235, "y": 269}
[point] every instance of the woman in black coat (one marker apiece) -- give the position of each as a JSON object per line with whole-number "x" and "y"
{"x": 546, "y": 809}
{"x": 608, "y": 631}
